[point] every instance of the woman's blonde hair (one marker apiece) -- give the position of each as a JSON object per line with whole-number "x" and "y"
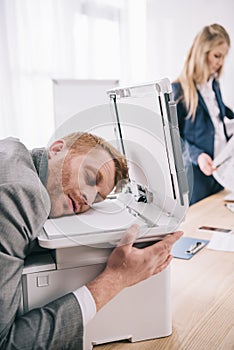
{"x": 196, "y": 70}
{"x": 82, "y": 142}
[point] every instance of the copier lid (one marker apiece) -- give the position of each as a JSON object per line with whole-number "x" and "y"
{"x": 146, "y": 126}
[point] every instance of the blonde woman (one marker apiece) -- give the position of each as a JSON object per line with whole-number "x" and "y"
{"x": 201, "y": 110}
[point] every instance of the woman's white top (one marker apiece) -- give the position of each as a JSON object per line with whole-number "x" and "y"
{"x": 209, "y": 97}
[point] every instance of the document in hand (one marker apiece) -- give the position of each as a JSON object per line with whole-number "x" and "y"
{"x": 225, "y": 166}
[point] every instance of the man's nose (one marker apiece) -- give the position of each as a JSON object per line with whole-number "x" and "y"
{"x": 91, "y": 193}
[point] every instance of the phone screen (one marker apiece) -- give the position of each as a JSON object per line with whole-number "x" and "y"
{"x": 215, "y": 229}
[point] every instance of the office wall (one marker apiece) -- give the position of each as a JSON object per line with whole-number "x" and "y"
{"x": 171, "y": 28}
{"x": 147, "y": 40}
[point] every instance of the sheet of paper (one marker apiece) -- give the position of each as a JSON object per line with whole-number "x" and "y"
{"x": 230, "y": 206}
{"x": 222, "y": 241}
{"x": 225, "y": 163}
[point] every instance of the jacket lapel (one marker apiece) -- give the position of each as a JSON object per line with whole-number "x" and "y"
{"x": 219, "y": 98}
{"x": 201, "y": 100}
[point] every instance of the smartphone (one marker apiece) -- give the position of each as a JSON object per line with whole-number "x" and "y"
{"x": 211, "y": 229}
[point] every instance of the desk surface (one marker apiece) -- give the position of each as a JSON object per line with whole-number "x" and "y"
{"x": 202, "y": 290}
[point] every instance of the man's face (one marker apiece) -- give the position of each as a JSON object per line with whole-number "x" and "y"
{"x": 77, "y": 181}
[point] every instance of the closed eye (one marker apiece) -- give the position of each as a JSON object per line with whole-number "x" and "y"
{"x": 90, "y": 178}
{"x": 93, "y": 178}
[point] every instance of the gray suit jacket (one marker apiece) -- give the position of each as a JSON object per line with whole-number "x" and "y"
{"x": 24, "y": 207}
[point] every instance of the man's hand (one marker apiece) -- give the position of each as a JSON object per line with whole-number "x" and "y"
{"x": 128, "y": 265}
{"x": 205, "y": 164}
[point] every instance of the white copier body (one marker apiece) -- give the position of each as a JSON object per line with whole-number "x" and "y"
{"x": 144, "y": 124}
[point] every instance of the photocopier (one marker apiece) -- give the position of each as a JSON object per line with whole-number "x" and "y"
{"x": 141, "y": 121}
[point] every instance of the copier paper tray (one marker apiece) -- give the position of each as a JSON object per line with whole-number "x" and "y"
{"x": 143, "y": 120}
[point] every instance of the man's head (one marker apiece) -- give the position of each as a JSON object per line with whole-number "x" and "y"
{"x": 83, "y": 169}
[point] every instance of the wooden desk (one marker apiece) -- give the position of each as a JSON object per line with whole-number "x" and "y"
{"x": 202, "y": 290}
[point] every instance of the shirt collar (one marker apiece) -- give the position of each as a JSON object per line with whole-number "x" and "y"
{"x": 40, "y": 160}
{"x": 207, "y": 85}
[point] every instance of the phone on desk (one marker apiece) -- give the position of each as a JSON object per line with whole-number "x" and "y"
{"x": 210, "y": 229}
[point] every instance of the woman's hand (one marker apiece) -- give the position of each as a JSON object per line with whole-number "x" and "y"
{"x": 205, "y": 164}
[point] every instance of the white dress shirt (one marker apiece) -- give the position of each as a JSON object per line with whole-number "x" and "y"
{"x": 86, "y": 302}
{"x": 209, "y": 97}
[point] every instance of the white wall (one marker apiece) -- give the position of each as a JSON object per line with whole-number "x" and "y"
{"x": 40, "y": 41}
{"x": 171, "y": 28}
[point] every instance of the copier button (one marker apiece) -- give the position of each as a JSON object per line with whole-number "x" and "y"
{"x": 42, "y": 281}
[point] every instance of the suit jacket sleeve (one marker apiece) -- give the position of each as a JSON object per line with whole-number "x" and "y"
{"x": 59, "y": 324}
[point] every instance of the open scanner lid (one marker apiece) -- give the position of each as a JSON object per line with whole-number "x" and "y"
{"x": 146, "y": 128}
{"x": 144, "y": 120}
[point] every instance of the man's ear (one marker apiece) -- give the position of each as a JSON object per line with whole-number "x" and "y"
{"x": 56, "y": 147}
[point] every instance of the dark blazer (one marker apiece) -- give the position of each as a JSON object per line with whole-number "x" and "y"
{"x": 198, "y": 137}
